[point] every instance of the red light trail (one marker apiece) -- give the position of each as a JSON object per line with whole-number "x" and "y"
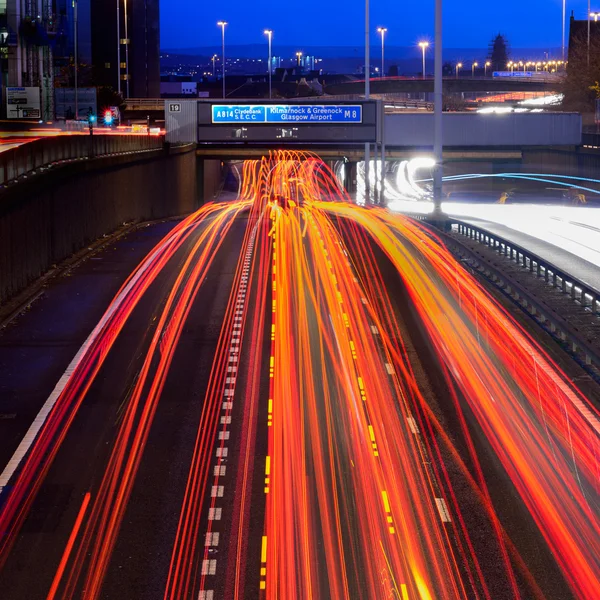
{"x": 356, "y": 497}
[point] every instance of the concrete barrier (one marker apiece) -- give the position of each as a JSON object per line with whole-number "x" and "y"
{"x": 47, "y": 218}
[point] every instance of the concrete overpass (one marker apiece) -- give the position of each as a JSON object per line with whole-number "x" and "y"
{"x": 451, "y": 85}
{"x": 465, "y": 134}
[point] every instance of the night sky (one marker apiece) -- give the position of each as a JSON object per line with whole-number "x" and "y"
{"x": 468, "y": 24}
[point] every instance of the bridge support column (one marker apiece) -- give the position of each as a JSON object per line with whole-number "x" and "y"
{"x": 350, "y": 172}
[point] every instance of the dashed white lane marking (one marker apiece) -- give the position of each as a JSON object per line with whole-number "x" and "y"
{"x": 363, "y": 300}
{"x": 214, "y": 514}
{"x": 413, "y": 425}
{"x": 209, "y": 566}
{"x": 374, "y": 330}
{"x": 443, "y": 510}
{"x": 217, "y": 491}
{"x": 389, "y": 368}
{"x": 41, "y": 417}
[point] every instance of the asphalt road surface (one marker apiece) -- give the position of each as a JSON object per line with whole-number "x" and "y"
{"x": 279, "y": 397}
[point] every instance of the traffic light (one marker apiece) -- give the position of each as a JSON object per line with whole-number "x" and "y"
{"x": 92, "y": 118}
{"x": 108, "y": 117}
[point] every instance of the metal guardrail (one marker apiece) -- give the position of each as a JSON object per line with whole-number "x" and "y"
{"x": 558, "y": 326}
{"x": 590, "y": 140}
{"x": 580, "y": 292}
{"x": 39, "y": 154}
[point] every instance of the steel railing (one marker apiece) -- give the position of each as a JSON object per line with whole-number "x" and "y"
{"x": 558, "y": 325}
{"x": 43, "y": 153}
{"x": 580, "y": 292}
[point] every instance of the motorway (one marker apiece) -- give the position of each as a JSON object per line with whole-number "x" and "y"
{"x": 285, "y": 396}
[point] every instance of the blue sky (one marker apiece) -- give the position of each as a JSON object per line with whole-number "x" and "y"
{"x": 468, "y": 24}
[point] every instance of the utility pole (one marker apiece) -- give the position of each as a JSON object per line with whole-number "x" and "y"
{"x": 75, "y": 57}
{"x": 438, "y": 106}
{"x": 367, "y": 96}
{"x": 119, "y": 47}
{"x": 126, "y": 51}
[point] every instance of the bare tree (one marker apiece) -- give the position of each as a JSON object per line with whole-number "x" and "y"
{"x": 578, "y": 85}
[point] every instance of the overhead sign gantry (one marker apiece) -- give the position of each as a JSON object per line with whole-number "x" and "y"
{"x": 276, "y": 122}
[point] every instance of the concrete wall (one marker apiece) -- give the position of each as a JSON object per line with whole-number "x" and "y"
{"x": 555, "y": 161}
{"x": 476, "y": 130}
{"x": 46, "y": 219}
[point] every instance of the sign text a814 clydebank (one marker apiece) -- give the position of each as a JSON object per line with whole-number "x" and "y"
{"x": 286, "y": 113}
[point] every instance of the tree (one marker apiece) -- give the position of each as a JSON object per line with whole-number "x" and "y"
{"x": 448, "y": 69}
{"x": 578, "y": 85}
{"x": 499, "y": 53}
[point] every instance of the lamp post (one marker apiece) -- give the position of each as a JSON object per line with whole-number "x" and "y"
{"x": 75, "y": 57}
{"x": 269, "y": 34}
{"x": 298, "y": 58}
{"x": 458, "y": 67}
{"x": 367, "y": 96}
{"x": 511, "y": 66}
{"x": 438, "y": 99}
{"x": 126, "y": 49}
{"x": 564, "y": 21}
{"x": 473, "y": 67}
{"x": 485, "y": 67}
{"x": 222, "y": 24}
{"x": 382, "y": 31}
{"x": 423, "y": 46}
{"x": 119, "y": 47}
{"x": 588, "y": 35}
{"x": 595, "y": 15}
{"x": 214, "y": 56}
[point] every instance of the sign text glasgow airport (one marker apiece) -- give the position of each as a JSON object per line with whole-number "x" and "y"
{"x": 286, "y": 113}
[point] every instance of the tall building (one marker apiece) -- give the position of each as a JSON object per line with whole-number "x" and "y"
{"x": 136, "y": 28}
{"x": 27, "y": 35}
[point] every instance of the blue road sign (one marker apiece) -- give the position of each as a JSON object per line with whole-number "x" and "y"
{"x": 310, "y": 113}
{"x": 287, "y": 113}
{"x": 238, "y": 113}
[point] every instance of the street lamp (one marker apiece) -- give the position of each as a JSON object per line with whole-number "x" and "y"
{"x": 485, "y": 67}
{"x": 564, "y": 25}
{"x": 214, "y": 56}
{"x": 76, "y": 59}
{"x": 222, "y": 24}
{"x": 423, "y": 46}
{"x": 595, "y": 15}
{"x": 126, "y": 48}
{"x": 458, "y": 66}
{"x": 298, "y": 57}
{"x": 269, "y": 34}
{"x": 382, "y": 31}
{"x": 473, "y": 66}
